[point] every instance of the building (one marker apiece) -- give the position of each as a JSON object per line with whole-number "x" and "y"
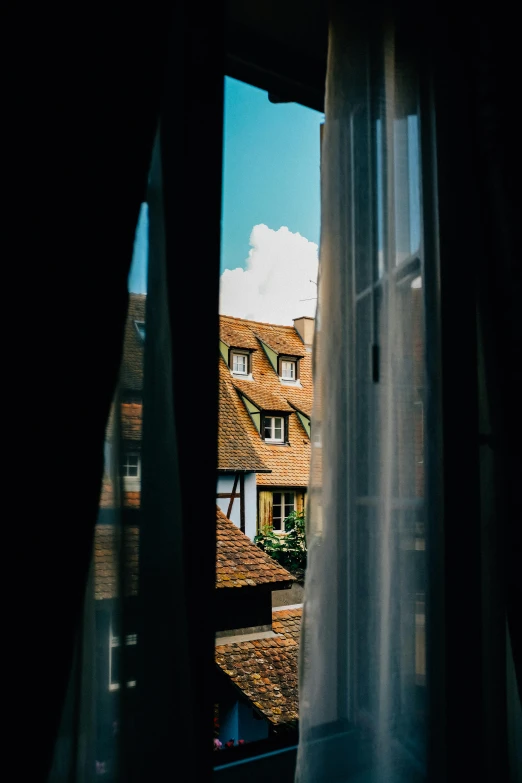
{"x": 264, "y": 421}
{"x": 256, "y": 644}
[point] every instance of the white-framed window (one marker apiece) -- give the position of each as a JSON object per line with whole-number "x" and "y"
{"x": 131, "y": 640}
{"x": 274, "y": 429}
{"x": 240, "y": 363}
{"x": 283, "y": 503}
{"x": 131, "y": 465}
{"x": 288, "y": 369}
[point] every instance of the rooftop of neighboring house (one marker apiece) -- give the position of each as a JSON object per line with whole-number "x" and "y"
{"x": 272, "y": 376}
{"x": 131, "y": 374}
{"x": 239, "y": 562}
{"x": 265, "y": 670}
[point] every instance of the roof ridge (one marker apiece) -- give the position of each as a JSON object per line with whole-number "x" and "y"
{"x": 258, "y": 323}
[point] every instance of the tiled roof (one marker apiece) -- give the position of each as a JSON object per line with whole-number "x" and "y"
{"x": 265, "y": 398}
{"x": 107, "y": 545}
{"x": 240, "y": 563}
{"x": 235, "y": 448}
{"x": 130, "y": 421}
{"x": 131, "y": 375}
{"x": 289, "y": 465}
{"x": 265, "y": 670}
{"x": 130, "y": 499}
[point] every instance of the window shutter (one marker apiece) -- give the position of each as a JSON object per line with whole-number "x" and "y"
{"x": 265, "y": 510}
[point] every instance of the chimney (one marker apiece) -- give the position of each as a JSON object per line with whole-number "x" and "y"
{"x": 304, "y": 327}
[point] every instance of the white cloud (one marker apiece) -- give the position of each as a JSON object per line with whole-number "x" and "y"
{"x": 277, "y": 278}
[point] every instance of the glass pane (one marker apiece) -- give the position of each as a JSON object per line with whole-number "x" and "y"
{"x": 289, "y": 498}
{"x": 277, "y": 498}
{"x": 268, "y": 428}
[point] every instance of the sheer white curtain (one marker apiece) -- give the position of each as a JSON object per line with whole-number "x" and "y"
{"x": 363, "y": 663}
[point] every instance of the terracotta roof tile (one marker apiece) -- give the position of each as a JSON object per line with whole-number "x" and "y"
{"x": 131, "y": 375}
{"x": 240, "y": 563}
{"x": 107, "y": 543}
{"x": 130, "y": 499}
{"x": 236, "y": 451}
{"x": 130, "y": 421}
{"x": 289, "y": 465}
{"x": 266, "y": 670}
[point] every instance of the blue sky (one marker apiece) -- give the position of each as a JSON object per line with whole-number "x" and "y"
{"x": 270, "y": 179}
{"x": 270, "y": 169}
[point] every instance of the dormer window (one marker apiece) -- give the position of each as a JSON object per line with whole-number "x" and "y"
{"x": 239, "y": 363}
{"x": 140, "y": 328}
{"x": 274, "y": 429}
{"x": 288, "y": 370}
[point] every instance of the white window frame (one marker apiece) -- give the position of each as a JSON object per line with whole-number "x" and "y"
{"x": 244, "y": 355}
{"x": 272, "y": 420}
{"x": 292, "y": 363}
{"x": 282, "y": 505}
{"x": 125, "y": 458}
{"x": 130, "y": 640}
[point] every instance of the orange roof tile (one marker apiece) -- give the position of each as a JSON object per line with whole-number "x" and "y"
{"x": 240, "y": 563}
{"x": 107, "y": 543}
{"x": 265, "y": 670}
{"x": 130, "y": 499}
{"x": 236, "y": 451}
{"x": 289, "y": 464}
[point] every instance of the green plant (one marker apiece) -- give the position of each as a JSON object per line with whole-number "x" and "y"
{"x": 288, "y": 549}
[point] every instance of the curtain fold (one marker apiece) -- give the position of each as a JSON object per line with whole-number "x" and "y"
{"x": 363, "y": 706}
{"x": 88, "y": 87}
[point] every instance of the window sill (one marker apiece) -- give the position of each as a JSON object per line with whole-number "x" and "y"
{"x": 242, "y": 376}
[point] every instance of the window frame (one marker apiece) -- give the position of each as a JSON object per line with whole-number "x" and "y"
{"x": 281, "y": 359}
{"x": 126, "y": 456}
{"x": 283, "y": 505}
{"x": 131, "y": 640}
{"x": 272, "y": 439}
{"x": 233, "y": 353}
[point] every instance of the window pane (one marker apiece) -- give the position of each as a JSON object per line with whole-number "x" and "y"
{"x": 277, "y": 498}
{"x": 268, "y": 428}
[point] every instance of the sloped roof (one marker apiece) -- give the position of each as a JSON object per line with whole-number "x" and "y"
{"x": 240, "y": 563}
{"x": 129, "y": 499}
{"x": 289, "y": 465}
{"x": 235, "y": 448}
{"x": 131, "y": 415}
{"x": 265, "y": 670}
{"x": 107, "y": 543}
{"x": 131, "y": 374}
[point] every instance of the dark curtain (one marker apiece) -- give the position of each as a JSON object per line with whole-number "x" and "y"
{"x": 84, "y": 97}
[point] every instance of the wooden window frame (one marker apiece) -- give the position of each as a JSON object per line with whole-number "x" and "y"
{"x": 273, "y": 427}
{"x": 246, "y": 354}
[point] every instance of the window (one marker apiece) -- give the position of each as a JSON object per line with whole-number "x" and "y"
{"x": 283, "y": 503}
{"x": 240, "y": 363}
{"x": 274, "y": 429}
{"x": 288, "y": 370}
{"x": 131, "y": 466}
{"x": 140, "y": 326}
{"x": 114, "y": 660}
